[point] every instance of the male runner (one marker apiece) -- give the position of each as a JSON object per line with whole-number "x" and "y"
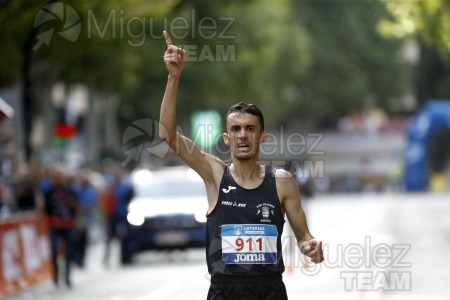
{"x": 247, "y": 202}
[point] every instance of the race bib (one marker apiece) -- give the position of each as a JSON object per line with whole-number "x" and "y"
{"x": 249, "y": 244}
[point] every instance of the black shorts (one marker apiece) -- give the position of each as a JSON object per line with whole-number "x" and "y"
{"x": 263, "y": 287}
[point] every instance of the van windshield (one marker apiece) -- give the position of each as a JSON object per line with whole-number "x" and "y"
{"x": 171, "y": 188}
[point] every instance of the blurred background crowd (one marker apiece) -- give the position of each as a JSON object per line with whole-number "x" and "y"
{"x": 92, "y": 204}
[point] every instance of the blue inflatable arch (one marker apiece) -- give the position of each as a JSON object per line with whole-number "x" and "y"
{"x": 434, "y": 117}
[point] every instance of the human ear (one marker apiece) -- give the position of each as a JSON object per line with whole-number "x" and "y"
{"x": 263, "y": 137}
{"x": 226, "y": 138}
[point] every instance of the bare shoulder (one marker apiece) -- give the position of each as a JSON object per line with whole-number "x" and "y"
{"x": 283, "y": 176}
{"x": 286, "y": 184}
{"x": 217, "y": 167}
{"x": 214, "y": 161}
{"x": 213, "y": 178}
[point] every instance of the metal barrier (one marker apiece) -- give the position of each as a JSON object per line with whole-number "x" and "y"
{"x": 25, "y": 258}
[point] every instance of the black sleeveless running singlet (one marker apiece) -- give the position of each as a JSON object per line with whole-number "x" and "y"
{"x": 244, "y": 229}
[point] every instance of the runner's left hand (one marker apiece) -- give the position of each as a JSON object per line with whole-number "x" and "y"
{"x": 312, "y": 249}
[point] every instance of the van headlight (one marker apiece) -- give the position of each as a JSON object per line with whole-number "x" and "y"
{"x": 135, "y": 219}
{"x": 200, "y": 217}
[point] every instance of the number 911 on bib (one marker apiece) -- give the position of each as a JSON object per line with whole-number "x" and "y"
{"x": 249, "y": 244}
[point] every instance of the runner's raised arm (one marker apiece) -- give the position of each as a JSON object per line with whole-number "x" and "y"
{"x": 174, "y": 60}
{"x": 203, "y": 163}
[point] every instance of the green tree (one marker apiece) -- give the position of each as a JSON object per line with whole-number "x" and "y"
{"x": 352, "y": 65}
{"x": 269, "y": 52}
{"x": 42, "y": 46}
{"x": 429, "y": 20}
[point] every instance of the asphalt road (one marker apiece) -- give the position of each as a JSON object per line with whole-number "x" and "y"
{"x": 376, "y": 247}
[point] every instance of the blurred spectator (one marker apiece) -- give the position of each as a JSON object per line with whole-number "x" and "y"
{"x": 6, "y": 174}
{"x": 108, "y": 206}
{"x": 44, "y": 179}
{"x": 115, "y": 204}
{"x": 2, "y": 200}
{"x": 351, "y": 183}
{"x": 372, "y": 121}
{"x": 304, "y": 182}
{"x": 25, "y": 189}
{"x": 61, "y": 206}
{"x": 87, "y": 195}
{"x": 6, "y": 200}
{"x": 7, "y": 164}
{"x": 322, "y": 185}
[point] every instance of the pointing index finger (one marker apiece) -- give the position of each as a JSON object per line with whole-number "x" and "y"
{"x": 167, "y": 37}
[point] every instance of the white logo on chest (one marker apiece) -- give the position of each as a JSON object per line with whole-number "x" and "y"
{"x": 226, "y": 191}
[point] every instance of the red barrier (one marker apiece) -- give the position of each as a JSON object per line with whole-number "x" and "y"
{"x": 25, "y": 252}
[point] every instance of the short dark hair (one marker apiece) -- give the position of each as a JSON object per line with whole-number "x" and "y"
{"x": 243, "y": 107}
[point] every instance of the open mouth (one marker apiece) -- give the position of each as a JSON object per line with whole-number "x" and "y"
{"x": 243, "y": 147}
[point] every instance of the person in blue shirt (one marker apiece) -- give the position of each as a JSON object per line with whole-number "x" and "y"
{"x": 118, "y": 195}
{"x": 88, "y": 200}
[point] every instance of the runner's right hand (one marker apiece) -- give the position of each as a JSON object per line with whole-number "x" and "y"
{"x": 173, "y": 57}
